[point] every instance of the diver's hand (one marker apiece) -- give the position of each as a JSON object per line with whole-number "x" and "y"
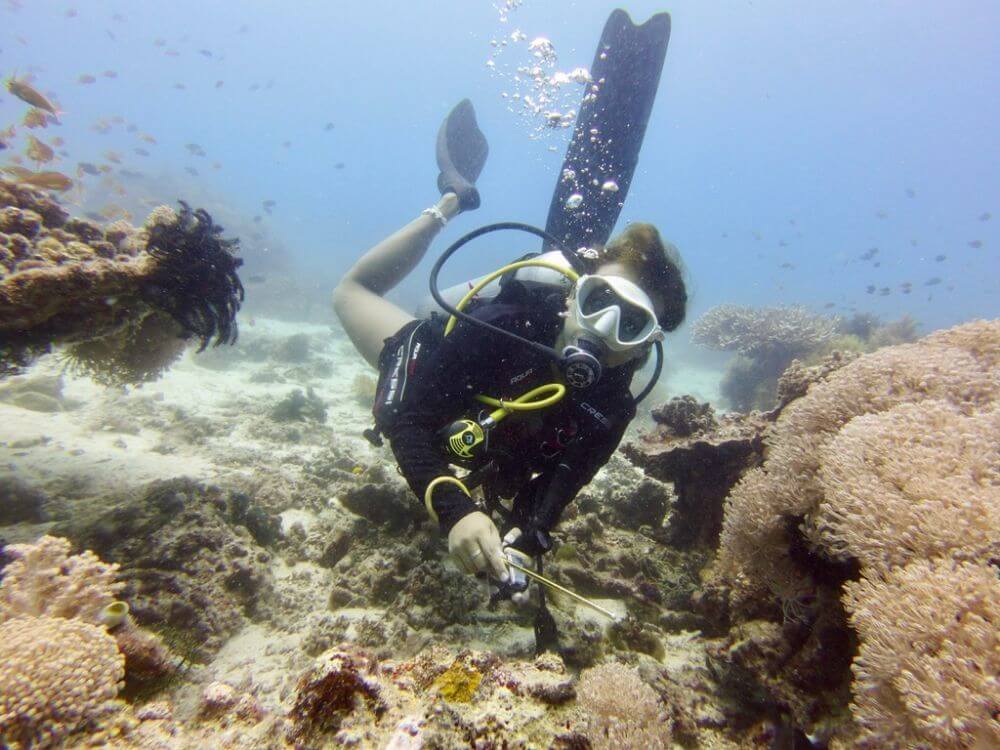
{"x": 475, "y": 543}
{"x": 518, "y": 582}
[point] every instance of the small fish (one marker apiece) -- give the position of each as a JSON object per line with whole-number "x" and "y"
{"x": 914, "y": 243}
{"x": 286, "y": 144}
{"x": 882, "y": 214}
{"x": 786, "y": 264}
{"x": 976, "y": 244}
{"x": 111, "y": 35}
{"x": 118, "y": 17}
{"x": 94, "y": 216}
{"x": 782, "y": 243}
{"x": 63, "y": 153}
{"x": 939, "y": 258}
{"x": 933, "y": 281}
{"x": 35, "y": 118}
{"x": 159, "y": 42}
{"x": 219, "y": 84}
{"x": 216, "y": 165}
{"x": 828, "y": 305}
{"x": 102, "y": 126}
{"x": 118, "y": 120}
{"x": 130, "y": 173}
{"x": 244, "y": 29}
{"x": 86, "y": 78}
{"x": 254, "y": 86}
{"x": 71, "y": 13}
{"x": 147, "y": 138}
{"x": 113, "y": 156}
{"x": 911, "y": 193}
{"x": 257, "y": 219}
{"x": 757, "y": 236}
{"x": 57, "y": 141}
{"x": 358, "y": 470}
{"x": 17, "y": 171}
{"x": 172, "y": 53}
{"x": 339, "y": 165}
{"x": 868, "y": 254}
{"x": 329, "y": 126}
{"x": 110, "y": 74}
{"x": 38, "y": 151}
{"x": 986, "y": 216}
{"x": 48, "y": 181}
{"x": 180, "y": 86}
{"x": 141, "y": 151}
{"x": 27, "y": 93}
{"x": 85, "y": 167}
{"x": 268, "y": 205}
{"x": 877, "y": 264}
{"x": 256, "y": 279}
{"x": 205, "y": 52}
{"x": 132, "y": 129}
{"x": 191, "y": 171}
{"x": 884, "y": 291}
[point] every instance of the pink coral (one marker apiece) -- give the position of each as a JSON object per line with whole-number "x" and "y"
{"x": 44, "y": 579}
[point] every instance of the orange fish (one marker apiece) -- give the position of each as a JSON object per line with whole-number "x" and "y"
{"x": 47, "y": 181}
{"x": 35, "y": 118}
{"x": 27, "y": 93}
{"x": 38, "y": 151}
{"x": 148, "y": 138}
{"x": 16, "y": 171}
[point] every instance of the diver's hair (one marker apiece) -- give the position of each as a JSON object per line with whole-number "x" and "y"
{"x": 657, "y": 266}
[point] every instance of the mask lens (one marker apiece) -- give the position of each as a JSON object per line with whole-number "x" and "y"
{"x": 633, "y": 319}
{"x": 601, "y": 298}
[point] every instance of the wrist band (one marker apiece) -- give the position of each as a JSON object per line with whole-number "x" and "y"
{"x": 436, "y": 213}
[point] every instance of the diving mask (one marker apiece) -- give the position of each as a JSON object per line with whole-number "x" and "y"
{"x": 615, "y": 310}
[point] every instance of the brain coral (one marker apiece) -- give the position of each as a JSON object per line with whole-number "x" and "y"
{"x": 56, "y": 675}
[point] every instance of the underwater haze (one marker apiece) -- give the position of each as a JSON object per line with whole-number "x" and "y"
{"x": 784, "y": 143}
{"x": 747, "y": 498}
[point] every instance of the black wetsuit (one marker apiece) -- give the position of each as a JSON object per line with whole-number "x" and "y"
{"x": 565, "y": 444}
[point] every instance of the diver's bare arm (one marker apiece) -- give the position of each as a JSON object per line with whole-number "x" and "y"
{"x": 368, "y": 319}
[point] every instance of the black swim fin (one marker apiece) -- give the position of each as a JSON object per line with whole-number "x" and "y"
{"x": 461, "y": 154}
{"x": 604, "y": 151}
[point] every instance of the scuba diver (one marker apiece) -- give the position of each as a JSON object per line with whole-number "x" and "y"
{"x": 522, "y": 378}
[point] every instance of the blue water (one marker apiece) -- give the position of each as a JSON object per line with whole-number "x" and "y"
{"x": 823, "y": 114}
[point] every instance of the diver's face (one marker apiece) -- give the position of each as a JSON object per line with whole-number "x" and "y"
{"x": 571, "y": 330}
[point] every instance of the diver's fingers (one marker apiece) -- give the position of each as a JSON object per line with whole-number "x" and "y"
{"x": 462, "y": 558}
{"x": 493, "y": 558}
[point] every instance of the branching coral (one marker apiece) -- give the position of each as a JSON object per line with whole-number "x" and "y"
{"x": 44, "y": 579}
{"x": 928, "y": 673}
{"x": 68, "y": 281}
{"x": 56, "y": 675}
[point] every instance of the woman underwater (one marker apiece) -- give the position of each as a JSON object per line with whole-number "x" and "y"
{"x": 429, "y": 381}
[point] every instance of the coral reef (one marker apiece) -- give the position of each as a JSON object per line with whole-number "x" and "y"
{"x": 300, "y": 407}
{"x": 887, "y": 469}
{"x": 120, "y": 296}
{"x": 43, "y": 579}
{"x": 684, "y": 416}
{"x": 703, "y": 467}
{"x": 185, "y": 564}
{"x": 625, "y": 711}
{"x": 57, "y": 675}
{"x": 926, "y": 673}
